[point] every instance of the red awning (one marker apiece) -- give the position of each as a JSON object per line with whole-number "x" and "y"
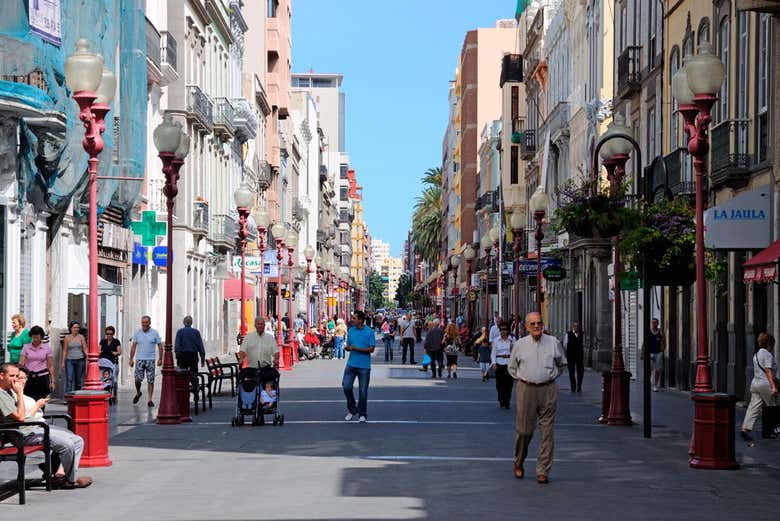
{"x": 233, "y": 290}
{"x": 763, "y": 266}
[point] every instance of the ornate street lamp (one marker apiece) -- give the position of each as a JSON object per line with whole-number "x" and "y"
{"x": 309, "y": 253}
{"x": 614, "y": 148}
{"x": 243, "y": 197}
{"x": 292, "y": 240}
{"x": 173, "y": 146}
{"x": 93, "y": 88}
{"x": 455, "y": 263}
{"x": 539, "y": 204}
{"x": 696, "y": 86}
{"x": 469, "y": 255}
{"x": 516, "y": 222}
{"x": 487, "y": 244}
{"x": 495, "y": 236}
{"x": 262, "y": 221}
{"x": 278, "y": 230}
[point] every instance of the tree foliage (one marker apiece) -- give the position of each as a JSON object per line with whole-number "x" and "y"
{"x": 404, "y": 292}
{"x": 426, "y": 219}
{"x": 375, "y": 289}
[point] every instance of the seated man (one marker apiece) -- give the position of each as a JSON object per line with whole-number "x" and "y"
{"x": 312, "y": 340}
{"x": 66, "y": 445}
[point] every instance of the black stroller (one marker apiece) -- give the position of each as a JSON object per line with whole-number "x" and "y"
{"x": 251, "y": 381}
{"x": 326, "y": 348}
{"x": 108, "y": 378}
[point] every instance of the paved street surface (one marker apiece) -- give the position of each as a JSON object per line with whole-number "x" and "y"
{"x": 431, "y": 450}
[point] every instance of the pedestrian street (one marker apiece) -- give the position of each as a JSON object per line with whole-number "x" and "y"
{"x": 432, "y": 449}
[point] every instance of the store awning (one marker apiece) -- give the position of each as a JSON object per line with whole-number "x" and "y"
{"x": 763, "y": 266}
{"x": 233, "y": 290}
{"x": 78, "y": 274}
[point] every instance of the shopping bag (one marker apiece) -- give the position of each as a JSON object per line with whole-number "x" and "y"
{"x": 426, "y": 361}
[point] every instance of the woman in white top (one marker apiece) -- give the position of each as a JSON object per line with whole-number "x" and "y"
{"x": 763, "y": 387}
{"x": 499, "y": 357}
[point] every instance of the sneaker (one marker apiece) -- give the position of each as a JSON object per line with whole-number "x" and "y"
{"x": 655, "y": 388}
{"x": 136, "y": 398}
{"x": 349, "y": 417}
{"x": 362, "y": 419}
{"x": 745, "y": 436}
{"x": 150, "y": 403}
{"x": 454, "y": 375}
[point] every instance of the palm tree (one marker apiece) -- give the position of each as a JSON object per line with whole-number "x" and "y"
{"x": 426, "y": 219}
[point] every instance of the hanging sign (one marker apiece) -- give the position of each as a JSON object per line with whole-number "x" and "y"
{"x": 45, "y": 20}
{"x": 140, "y": 254}
{"x": 742, "y": 222}
{"x": 554, "y": 273}
{"x": 149, "y": 228}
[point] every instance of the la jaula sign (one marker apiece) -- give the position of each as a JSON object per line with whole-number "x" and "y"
{"x": 739, "y": 214}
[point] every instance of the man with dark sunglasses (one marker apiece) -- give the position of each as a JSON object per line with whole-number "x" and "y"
{"x": 536, "y": 361}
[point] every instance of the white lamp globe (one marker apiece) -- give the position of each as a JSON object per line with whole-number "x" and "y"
{"x": 469, "y": 253}
{"x": 309, "y": 253}
{"x": 83, "y": 68}
{"x": 278, "y": 230}
{"x": 680, "y": 89}
{"x": 705, "y": 71}
{"x": 167, "y": 135}
{"x": 184, "y": 146}
{"x": 243, "y": 196}
{"x": 485, "y": 242}
{"x": 539, "y": 201}
{"x": 107, "y": 89}
{"x": 262, "y": 219}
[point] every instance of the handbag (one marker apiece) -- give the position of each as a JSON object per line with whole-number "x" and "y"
{"x": 426, "y": 360}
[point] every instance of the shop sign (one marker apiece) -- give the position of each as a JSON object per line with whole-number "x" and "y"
{"x": 160, "y": 256}
{"x": 45, "y": 20}
{"x": 739, "y": 223}
{"x": 554, "y": 273}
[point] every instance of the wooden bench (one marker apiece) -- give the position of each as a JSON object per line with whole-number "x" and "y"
{"x": 12, "y": 448}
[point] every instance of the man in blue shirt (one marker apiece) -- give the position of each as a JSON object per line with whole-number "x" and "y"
{"x": 149, "y": 345}
{"x": 360, "y": 344}
{"x": 187, "y": 347}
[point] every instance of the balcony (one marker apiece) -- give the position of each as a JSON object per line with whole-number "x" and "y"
{"x": 511, "y": 69}
{"x": 153, "y": 53}
{"x": 272, "y": 37}
{"x": 200, "y": 218}
{"x": 628, "y": 72}
{"x": 224, "y": 118}
{"x": 199, "y": 108}
{"x": 679, "y": 174}
{"x": 762, "y": 6}
{"x": 557, "y": 122}
{"x": 246, "y": 121}
{"x": 300, "y": 209}
{"x": 528, "y": 145}
{"x": 223, "y": 231}
{"x": 168, "y": 50}
{"x": 729, "y": 160}
{"x": 485, "y": 201}
{"x": 323, "y": 174}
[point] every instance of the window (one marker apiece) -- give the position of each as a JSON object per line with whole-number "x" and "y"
{"x": 321, "y": 82}
{"x": 514, "y": 165}
{"x": 743, "y": 28}
{"x": 703, "y": 35}
{"x": 343, "y": 215}
{"x": 515, "y": 103}
{"x": 762, "y": 102}
{"x": 651, "y": 131}
{"x": 273, "y": 5}
{"x": 344, "y": 193}
{"x": 723, "y": 51}
{"x": 343, "y": 172}
{"x": 674, "y": 65}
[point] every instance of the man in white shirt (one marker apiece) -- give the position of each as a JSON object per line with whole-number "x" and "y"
{"x": 536, "y": 361}
{"x": 495, "y": 332}
{"x": 406, "y": 327}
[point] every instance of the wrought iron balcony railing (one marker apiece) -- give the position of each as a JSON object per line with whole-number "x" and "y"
{"x": 730, "y": 160}
{"x": 200, "y": 108}
{"x": 224, "y": 117}
{"x": 629, "y": 72}
{"x": 168, "y": 49}
{"x": 528, "y": 145}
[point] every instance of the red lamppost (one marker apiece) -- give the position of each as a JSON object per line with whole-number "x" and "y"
{"x": 308, "y": 253}
{"x": 292, "y": 240}
{"x": 487, "y": 244}
{"x": 443, "y": 271}
{"x": 93, "y": 88}
{"x": 516, "y": 222}
{"x": 262, "y": 220}
{"x": 455, "y": 263}
{"x": 614, "y": 148}
{"x": 173, "y": 146}
{"x": 469, "y": 255}
{"x": 539, "y": 204}
{"x": 695, "y": 86}
{"x": 277, "y": 230}
{"x": 243, "y": 198}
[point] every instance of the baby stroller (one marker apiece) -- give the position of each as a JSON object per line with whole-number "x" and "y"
{"x": 108, "y": 378}
{"x": 251, "y": 381}
{"x": 326, "y": 349}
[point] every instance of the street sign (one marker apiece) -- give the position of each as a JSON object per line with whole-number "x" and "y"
{"x": 528, "y": 267}
{"x": 630, "y": 281}
{"x": 315, "y": 288}
{"x": 140, "y": 254}
{"x": 160, "y": 256}
{"x": 554, "y": 273}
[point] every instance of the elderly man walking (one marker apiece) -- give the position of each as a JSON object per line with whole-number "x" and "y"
{"x": 536, "y": 361}
{"x": 188, "y": 345}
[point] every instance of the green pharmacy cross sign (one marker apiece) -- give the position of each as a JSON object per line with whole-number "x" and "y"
{"x": 149, "y": 228}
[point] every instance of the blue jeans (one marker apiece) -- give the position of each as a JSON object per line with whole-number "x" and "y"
{"x": 338, "y": 347}
{"x": 74, "y": 374}
{"x": 388, "y": 348}
{"x": 363, "y": 376}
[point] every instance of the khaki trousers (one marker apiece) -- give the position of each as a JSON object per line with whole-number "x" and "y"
{"x": 535, "y": 403}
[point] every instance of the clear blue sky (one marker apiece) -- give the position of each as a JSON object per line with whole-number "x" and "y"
{"x": 397, "y": 57}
